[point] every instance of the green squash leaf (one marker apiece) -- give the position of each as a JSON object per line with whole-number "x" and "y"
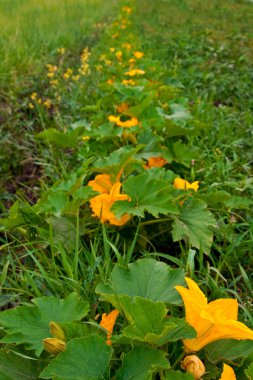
{"x": 229, "y": 350}
{"x": 148, "y": 322}
{"x": 84, "y": 359}
{"x": 30, "y": 324}
{"x": 145, "y": 278}
{"x": 194, "y": 224}
{"x": 249, "y": 372}
{"x": 177, "y": 375}
{"x": 142, "y": 363}
{"x": 147, "y": 195}
{"x": 15, "y": 367}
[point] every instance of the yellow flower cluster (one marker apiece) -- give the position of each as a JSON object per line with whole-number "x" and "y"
{"x": 84, "y": 68}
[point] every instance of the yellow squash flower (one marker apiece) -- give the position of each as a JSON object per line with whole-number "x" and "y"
{"x": 122, "y": 107}
{"x": 228, "y": 373}
{"x": 134, "y": 72}
{"x": 125, "y": 124}
{"x": 212, "y": 321}
{"x": 138, "y": 54}
{"x": 108, "y": 322}
{"x": 101, "y": 206}
{"x": 128, "y": 82}
{"x": 193, "y": 365}
{"x": 102, "y": 184}
{"x": 119, "y": 55}
{"x": 155, "y": 162}
{"x": 180, "y": 183}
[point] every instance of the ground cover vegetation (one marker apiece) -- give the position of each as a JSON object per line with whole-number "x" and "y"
{"x": 138, "y": 138}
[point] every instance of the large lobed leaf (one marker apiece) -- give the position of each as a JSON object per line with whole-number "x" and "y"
{"x": 148, "y": 322}
{"x": 14, "y": 367}
{"x": 229, "y": 350}
{"x": 147, "y": 195}
{"x": 30, "y": 324}
{"x": 84, "y": 359}
{"x": 194, "y": 224}
{"x": 145, "y": 278}
{"x": 142, "y": 363}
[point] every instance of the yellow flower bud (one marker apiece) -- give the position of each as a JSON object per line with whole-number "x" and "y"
{"x": 57, "y": 331}
{"x": 54, "y": 345}
{"x": 193, "y": 365}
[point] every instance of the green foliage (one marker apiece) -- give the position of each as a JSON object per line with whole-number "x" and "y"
{"x": 142, "y": 363}
{"x": 148, "y": 322}
{"x": 146, "y": 278}
{"x": 194, "y": 224}
{"x": 229, "y": 350}
{"x": 30, "y": 324}
{"x": 147, "y": 195}
{"x": 84, "y": 359}
{"x": 249, "y": 372}
{"x": 13, "y": 367}
{"x": 177, "y": 375}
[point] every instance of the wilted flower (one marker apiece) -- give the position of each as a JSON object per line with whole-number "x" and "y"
{"x": 47, "y": 103}
{"x": 212, "y": 321}
{"x": 155, "y": 162}
{"x": 122, "y": 107}
{"x": 108, "y": 322}
{"x": 193, "y": 365}
{"x": 180, "y": 183}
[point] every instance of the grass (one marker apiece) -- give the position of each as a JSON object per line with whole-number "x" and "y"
{"x": 31, "y": 33}
{"x": 206, "y": 48}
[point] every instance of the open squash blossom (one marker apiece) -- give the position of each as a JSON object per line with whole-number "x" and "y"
{"x": 228, "y": 373}
{"x": 101, "y": 206}
{"x": 102, "y": 183}
{"x": 125, "y": 124}
{"x": 138, "y": 54}
{"x": 212, "y": 321}
{"x": 180, "y": 183}
{"x": 135, "y": 72}
{"x": 155, "y": 162}
{"x": 193, "y": 365}
{"x": 122, "y": 107}
{"x": 108, "y": 322}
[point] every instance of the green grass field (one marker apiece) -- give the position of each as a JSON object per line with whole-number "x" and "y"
{"x": 126, "y": 165}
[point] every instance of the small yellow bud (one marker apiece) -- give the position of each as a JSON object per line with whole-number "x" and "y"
{"x": 54, "y": 345}
{"x": 85, "y": 138}
{"x": 56, "y": 331}
{"x": 193, "y": 365}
